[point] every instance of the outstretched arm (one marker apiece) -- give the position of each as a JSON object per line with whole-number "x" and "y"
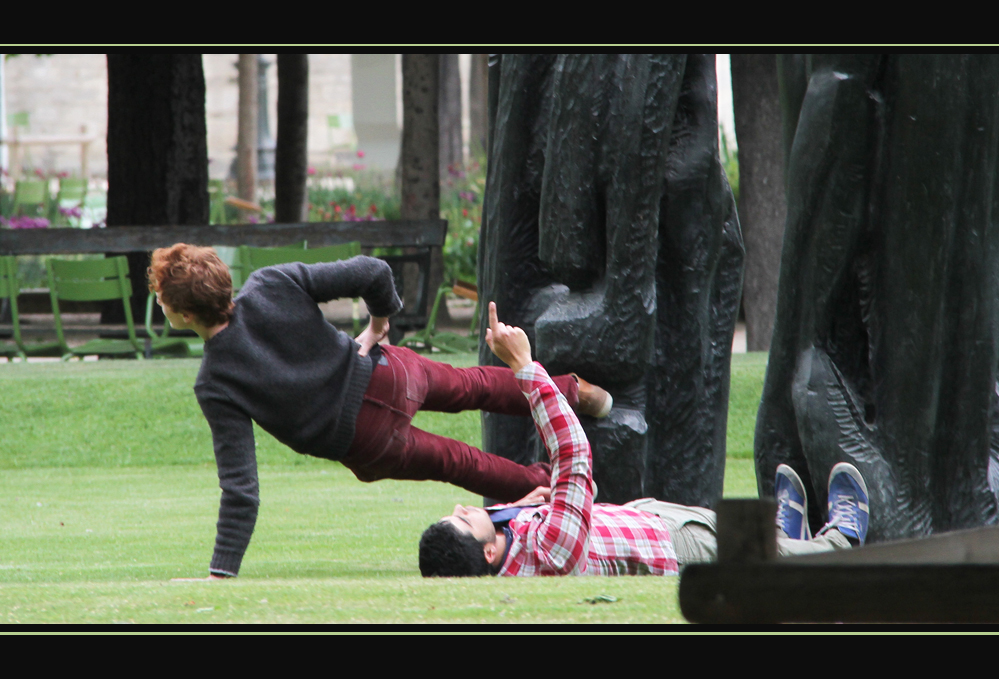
{"x": 563, "y": 537}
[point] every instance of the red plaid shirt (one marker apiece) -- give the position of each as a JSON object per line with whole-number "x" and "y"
{"x": 573, "y": 536}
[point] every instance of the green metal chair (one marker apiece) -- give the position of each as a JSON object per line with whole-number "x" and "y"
{"x": 257, "y": 258}
{"x": 240, "y": 268}
{"x": 9, "y": 289}
{"x": 430, "y": 338}
{"x": 93, "y": 281}
{"x": 216, "y": 197}
{"x": 31, "y": 198}
{"x": 162, "y": 344}
{"x": 72, "y": 194}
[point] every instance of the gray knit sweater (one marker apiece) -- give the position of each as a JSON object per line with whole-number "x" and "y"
{"x": 279, "y": 363}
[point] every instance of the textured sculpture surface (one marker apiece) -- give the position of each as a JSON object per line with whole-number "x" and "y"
{"x": 886, "y": 339}
{"x": 610, "y": 236}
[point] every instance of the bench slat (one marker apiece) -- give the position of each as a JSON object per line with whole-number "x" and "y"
{"x": 399, "y": 233}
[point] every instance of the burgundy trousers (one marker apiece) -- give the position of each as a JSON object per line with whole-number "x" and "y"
{"x": 387, "y": 446}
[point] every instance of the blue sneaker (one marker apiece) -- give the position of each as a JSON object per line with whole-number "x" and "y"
{"x": 849, "y": 511}
{"x": 792, "y": 504}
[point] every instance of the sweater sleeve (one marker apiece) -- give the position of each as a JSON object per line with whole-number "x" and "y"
{"x": 366, "y": 277}
{"x": 235, "y": 456}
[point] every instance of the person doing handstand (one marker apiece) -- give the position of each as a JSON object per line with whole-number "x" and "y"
{"x": 272, "y": 358}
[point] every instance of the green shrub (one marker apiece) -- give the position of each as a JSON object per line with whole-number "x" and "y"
{"x": 730, "y": 163}
{"x": 461, "y": 206}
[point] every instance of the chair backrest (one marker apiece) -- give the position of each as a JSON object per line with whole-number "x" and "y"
{"x": 240, "y": 270}
{"x": 90, "y": 281}
{"x": 216, "y": 198}
{"x": 33, "y": 193}
{"x": 72, "y": 189}
{"x": 258, "y": 258}
{"x": 8, "y": 282}
{"x": 9, "y": 289}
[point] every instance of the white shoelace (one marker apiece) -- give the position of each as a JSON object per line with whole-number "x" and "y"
{"x": 846, "y": 512}
{"x": 784, "y": 507}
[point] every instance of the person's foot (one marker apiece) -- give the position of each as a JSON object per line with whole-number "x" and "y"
{"x": 792, "y": 504}
{"x": 593, "y": 400}
{"x": 849, "y": 511}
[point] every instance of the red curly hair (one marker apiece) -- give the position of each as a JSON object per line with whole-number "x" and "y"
{"x": 192, "y": 279}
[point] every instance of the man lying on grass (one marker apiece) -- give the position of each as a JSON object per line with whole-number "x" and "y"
{"x": 558, "y": 530}
{"x": 272, "y": 358}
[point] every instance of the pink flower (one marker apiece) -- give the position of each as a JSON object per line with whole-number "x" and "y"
{"x": 25, "y": 222}
{"x": 360, "y": 154}
{"x": 310, "y": 171}
{"x": 358, "y": 166}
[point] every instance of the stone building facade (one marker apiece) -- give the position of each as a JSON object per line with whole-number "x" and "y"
{"x": 61, "y": 94}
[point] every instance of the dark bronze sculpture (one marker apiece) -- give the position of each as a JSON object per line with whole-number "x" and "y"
{"x": 610, "y": 236}
{"x": 886, "y": 341}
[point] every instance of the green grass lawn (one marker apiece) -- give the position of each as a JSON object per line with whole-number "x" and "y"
{"x": 109, "y": 489}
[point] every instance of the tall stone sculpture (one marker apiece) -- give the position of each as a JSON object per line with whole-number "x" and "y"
{"x": 886, "y": 341}
{"x": 610, "y": 236}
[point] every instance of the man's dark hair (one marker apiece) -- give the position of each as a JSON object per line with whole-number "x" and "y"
{"x": 447, "y": 552}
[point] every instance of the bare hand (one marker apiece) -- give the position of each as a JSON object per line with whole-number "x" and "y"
{"x": 211, "y": 576}
{"x": 537, "y": 496}
{"x": 376, "y": 331}
{"x": 509, "y": 343}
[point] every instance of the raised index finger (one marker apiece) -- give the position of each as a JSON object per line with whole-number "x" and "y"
{"x": 493, "y": 320}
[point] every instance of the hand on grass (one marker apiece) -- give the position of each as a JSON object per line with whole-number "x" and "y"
{"x": 509, "y": 343}
{"x": 376, "y": 331}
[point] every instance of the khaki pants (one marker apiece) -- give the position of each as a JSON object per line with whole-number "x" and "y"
{"x": 695, "y": 538}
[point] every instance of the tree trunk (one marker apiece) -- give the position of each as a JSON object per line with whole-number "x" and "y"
{"x": 421, "y": 189}
{"x": 157, "y": 152}
{"x": 478, "y": 113}
{"x": 246, "y": 141}
{"x": 449, "y": 108}
{"x": 762, "y": 203}
{"x": 452, "y": 155}
{"x": 291, "y": 156}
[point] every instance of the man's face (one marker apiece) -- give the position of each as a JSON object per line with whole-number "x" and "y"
{"x": 474, "y": 521}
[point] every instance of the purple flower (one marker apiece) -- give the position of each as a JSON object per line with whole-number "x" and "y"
{"x": 71, "y": 212}
{"x": 468, "y": 195}
{"x": 25, "y": 222}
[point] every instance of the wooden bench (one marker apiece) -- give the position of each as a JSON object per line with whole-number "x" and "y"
{"x": 418, "y": 237}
